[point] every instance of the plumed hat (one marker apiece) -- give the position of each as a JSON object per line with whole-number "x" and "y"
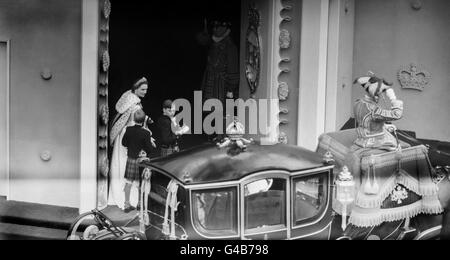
{"x": 373, "y": 85}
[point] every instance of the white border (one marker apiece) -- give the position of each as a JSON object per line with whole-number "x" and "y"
{"x": 8, "y": 111}
{"x": 323, "y": 68}
{"x": 313, "y": 72}
{"x": 89, "y": 93}
{"x": 334, "y": 32}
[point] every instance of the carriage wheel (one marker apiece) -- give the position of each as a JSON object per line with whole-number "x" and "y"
{"x": 84, "y": 227}
{"x": 133, "y": 236}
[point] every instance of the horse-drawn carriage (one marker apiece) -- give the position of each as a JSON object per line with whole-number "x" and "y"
{"x": 283, "y": 192}
{"x": 362, "y": 183}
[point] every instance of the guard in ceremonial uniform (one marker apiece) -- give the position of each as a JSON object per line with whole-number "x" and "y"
{"x": 371, "y": 119}
{"x": 221, "y": 77}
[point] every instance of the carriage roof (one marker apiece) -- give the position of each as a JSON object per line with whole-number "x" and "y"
{"x": 210, "y": 164}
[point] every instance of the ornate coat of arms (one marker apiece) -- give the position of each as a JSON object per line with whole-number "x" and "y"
{"x": 253, "y": 50}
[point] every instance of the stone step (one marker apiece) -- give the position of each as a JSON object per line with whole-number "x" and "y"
{"x": 30, "y": 221}
{"x": 38, "y": 215}
{"x": 23, "y": 232}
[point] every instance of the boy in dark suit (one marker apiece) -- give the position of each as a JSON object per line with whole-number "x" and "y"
{"x": 170, "y": 131}
{"x": 138, "y": 141}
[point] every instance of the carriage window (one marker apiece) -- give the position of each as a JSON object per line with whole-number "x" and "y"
{"x": 310, "y": 197}
{"x": 265, "y": 204}
{"x": 214, "y": 211}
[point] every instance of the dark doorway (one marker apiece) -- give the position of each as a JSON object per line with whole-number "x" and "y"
{"x": 157, "y": 39}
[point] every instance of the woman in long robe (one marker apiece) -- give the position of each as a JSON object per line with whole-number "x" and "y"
{"x": 128, "y": 104}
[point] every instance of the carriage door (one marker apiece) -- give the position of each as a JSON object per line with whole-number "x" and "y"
{"x": 4, "y": 110}
{"x": 265, "y": 208}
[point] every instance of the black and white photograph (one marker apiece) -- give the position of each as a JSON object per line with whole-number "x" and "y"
{"x": 224, "y": 120}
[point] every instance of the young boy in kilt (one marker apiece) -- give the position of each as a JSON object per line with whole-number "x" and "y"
{"x": 138, "y": 141}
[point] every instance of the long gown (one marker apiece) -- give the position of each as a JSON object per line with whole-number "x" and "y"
{"x": 126, "y": 106}
{"x": 222, "y": 70}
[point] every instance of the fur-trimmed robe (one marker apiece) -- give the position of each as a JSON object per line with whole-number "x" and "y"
{"x": 127, "y": 105}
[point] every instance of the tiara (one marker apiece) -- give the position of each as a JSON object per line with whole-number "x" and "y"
{"x": 143, "y": 80}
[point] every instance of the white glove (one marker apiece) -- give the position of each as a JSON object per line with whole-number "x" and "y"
{"x": 391, "y": 128}
{"x": 174, "y": 121}
{"x": 391, "y": 94}
{"x": 183, "y": 130}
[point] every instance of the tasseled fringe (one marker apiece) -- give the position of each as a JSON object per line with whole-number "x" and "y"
{"x": 409, "y": 182}
{"x": 428, "y": 188}
{"x": 388, "y": 159}
{"x": 429, "y": 206}
{"x": 423, "y": 188}
{"x": 432, "y": 205}
{"x": 385, "y": 215}
{"x": 375, "y": 201}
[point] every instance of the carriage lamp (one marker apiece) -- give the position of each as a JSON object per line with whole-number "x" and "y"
{"x": 345, "y": 192}
{"x": 187, "y": 178}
